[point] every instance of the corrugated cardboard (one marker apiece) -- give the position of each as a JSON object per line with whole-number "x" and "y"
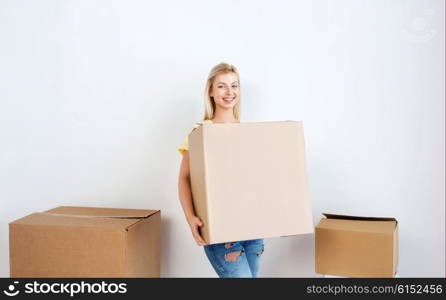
{"x": 72, "y": 241}
{"x": 249, "y": 180}
{"x": 355, "y": 246}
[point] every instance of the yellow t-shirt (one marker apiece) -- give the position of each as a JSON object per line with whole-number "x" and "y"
{"x": 185, "y": 144}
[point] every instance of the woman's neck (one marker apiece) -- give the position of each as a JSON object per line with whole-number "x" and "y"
{"x": 224, "y": 116}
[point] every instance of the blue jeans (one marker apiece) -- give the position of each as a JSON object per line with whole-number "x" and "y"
{"x": 236, "y": 259}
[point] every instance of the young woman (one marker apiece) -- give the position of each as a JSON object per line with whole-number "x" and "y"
{"x": 222, "y": 105}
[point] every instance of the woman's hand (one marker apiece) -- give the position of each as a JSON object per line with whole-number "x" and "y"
{"x": 194, "y": 223}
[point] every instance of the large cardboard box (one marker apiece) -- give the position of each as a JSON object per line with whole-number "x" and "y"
{"x": 249, "y": 180}
{"x": 86, "y": 242}
{"x": 355, "y": 246}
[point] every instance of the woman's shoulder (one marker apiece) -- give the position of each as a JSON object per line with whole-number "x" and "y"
{"x": 185, "y": 144}
{"x": 206, "y": 121}
{"x": 198, "y": 124}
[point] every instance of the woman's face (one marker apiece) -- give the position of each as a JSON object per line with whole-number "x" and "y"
{"x": 225, "y": 90}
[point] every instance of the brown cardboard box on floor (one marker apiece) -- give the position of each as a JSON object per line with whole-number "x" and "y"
{"x": 355, "y": 246}
{"x": 90, "y": 242}
{"x": 249, "y": 180}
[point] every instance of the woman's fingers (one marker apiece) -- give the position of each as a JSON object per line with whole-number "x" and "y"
{"x": 198, "y": 237}
{"x": 198, "y": 221}
{"x": 200, "y": 241}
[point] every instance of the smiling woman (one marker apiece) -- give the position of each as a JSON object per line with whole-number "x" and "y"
{"x": 222, "y": 91}
{"x": 222, "y": 105}
{"x": 226, "y": 90}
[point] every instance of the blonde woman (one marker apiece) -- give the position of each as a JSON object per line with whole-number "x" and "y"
{"x": 222, "y": 105}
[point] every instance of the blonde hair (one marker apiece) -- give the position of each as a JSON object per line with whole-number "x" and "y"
{"x": 209, "y": 104}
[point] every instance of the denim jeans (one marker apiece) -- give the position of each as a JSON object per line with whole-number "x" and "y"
{"x": 235, "y": 259}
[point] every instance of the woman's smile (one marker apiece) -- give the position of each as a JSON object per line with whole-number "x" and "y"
{"x": 225, "y": 90}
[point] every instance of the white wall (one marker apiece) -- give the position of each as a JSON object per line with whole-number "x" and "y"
{"x": 97, "y": 95}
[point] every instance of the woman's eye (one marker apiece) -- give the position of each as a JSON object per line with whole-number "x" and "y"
{"x": 235, "y": 86}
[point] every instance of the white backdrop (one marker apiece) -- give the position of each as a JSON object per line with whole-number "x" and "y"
{"x": 97, "y": 95}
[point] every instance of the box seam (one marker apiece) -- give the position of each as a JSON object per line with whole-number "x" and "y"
{"x": 206, "y": 190}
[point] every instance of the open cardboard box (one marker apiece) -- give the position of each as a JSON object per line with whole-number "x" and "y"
{"x": 355, "y": 246}
{"x": 72, "y": 241}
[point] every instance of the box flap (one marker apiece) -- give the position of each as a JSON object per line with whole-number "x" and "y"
{"x": 356, "y": 223}
{"x": 44, "y": 219}
{"x": 347, "y": 217}
{"x": 103, "y": 212}
{"x": 87, "y": 216}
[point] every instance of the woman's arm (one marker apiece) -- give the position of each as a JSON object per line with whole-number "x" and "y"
{"x": 185, "y": 194}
